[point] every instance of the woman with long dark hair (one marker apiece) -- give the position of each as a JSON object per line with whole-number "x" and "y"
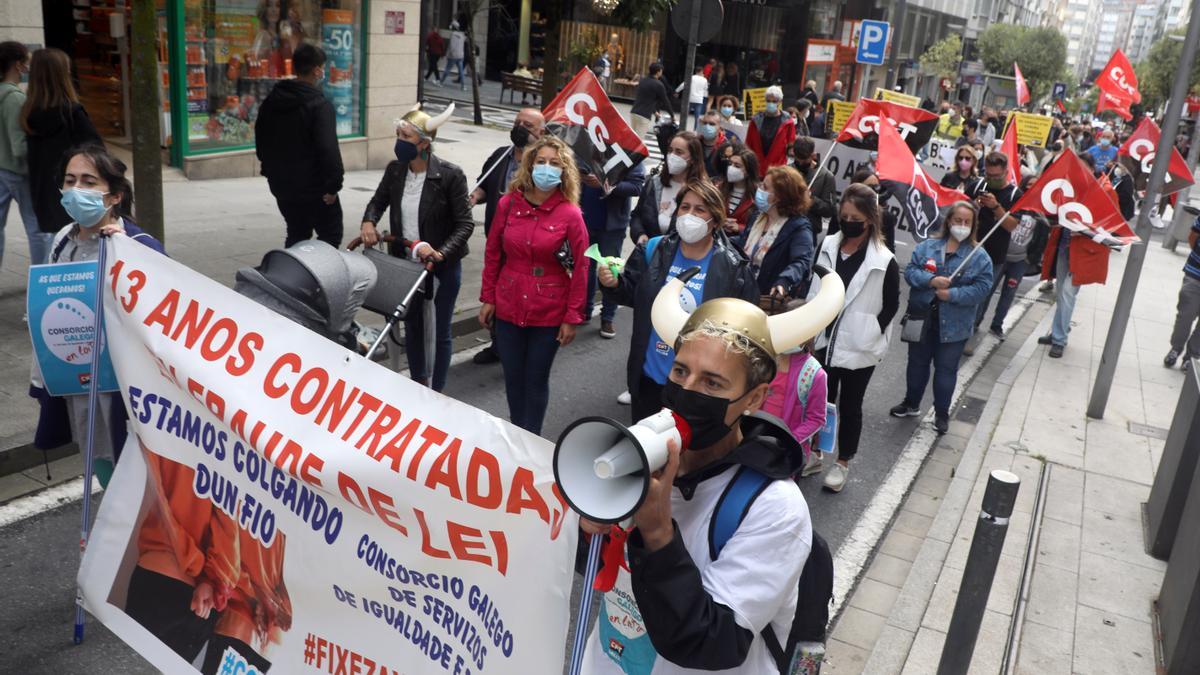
{"x": 739, "y": 187}
{"x": 54, "y": 121}
{"x": 654, "y": 214}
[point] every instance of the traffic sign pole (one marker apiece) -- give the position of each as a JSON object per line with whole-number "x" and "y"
{"x": 690, "y": 64}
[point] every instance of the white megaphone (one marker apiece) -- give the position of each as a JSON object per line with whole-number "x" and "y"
{"x": 603, "y": 467}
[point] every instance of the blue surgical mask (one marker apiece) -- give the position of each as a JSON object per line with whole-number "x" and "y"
{"x": 709, "y": 131}
{"x": 86, "y": 207}
{"x": 762, "y": 200}
{"x": 772, "y": 107}
{"x": 1104, "y": 142}
{"x": 405, "y": 151}
{"x": 547, "y": 176}
{"x": 726, "y": 111}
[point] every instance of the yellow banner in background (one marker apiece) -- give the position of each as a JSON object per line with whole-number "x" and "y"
{"x": 838, "y": 114}
{"x": 896, "y": 97}
{"x": 754, "y": 100}
{"x": 1031, "y": 129}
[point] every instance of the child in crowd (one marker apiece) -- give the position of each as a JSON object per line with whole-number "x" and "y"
{"x": 798, "y": 395}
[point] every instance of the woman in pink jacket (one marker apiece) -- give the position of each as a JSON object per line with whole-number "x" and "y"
{"x": 535, "y": 275}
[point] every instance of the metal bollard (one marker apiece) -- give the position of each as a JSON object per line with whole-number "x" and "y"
{"x": 998, "y": 501}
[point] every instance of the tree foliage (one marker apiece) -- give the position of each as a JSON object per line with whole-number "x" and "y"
{"x": 1156, "y": 73}
{"x": 1041, "y": 53}
{"x": 943, "y": 57}
{"x": 639, "y": 15}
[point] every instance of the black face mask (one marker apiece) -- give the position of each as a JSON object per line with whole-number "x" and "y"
{"x": 519, "y": 136}
{"x": 704, "y": 414}
{"x": 853, "y": 228}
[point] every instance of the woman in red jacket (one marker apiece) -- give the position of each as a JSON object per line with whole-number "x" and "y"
{"x": 532, "y": 292}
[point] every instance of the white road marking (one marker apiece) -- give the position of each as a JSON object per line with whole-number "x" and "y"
{"x": 42, "y": 501}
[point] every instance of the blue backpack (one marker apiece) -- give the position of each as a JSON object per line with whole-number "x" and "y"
{"x": 816, "y": 579}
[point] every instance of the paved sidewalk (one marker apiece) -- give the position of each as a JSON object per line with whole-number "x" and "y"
{"x": 1091, "y": 583}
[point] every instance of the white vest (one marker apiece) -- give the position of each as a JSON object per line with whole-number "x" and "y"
{"x": 857, "y": 341}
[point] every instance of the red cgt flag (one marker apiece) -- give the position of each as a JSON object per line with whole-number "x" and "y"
{"x": 915, "y": 126}
{"x": 1118, "y": 79}
{"x": 1022, "y": 88}
{"x": 920, "y": 196}
{"x": 1009, "y": 149}
{"x": 1137, "y": 155}
{"x": 1068, "y": 189}
{"x": 583, "y": 117}
{"x": 1107, "y": 101}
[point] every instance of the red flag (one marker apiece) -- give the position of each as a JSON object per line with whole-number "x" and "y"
{"x": 915, "y": 126}
{"x": 1108, "y": 101}
{"x": 583, "y": 117}
{"x": 1118, "y": 79}
{"x": 1138, "y": 154}
{"x": 919, "y": 195}
{"x": 1009, "y": 149}
{"x": 1068, "y": 189}
{"x": 1022, "y": 88}
{"x": 1061, "y": 108}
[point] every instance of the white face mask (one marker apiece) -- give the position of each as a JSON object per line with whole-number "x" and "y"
{"x": 734, "y": 174}
{"x": 691, "y": 228}
{"x": 960, "y": 232}
{"x": 675, "y": 164}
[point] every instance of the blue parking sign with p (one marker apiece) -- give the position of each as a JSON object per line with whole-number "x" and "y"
{"x": 872, "y": 41}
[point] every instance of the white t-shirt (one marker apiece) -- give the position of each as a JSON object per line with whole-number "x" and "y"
{"x": 410, "y": 205}
{"x": 666, "y": 203}
{"x": 699, "y": 93}
{"x": 756, "y": 576}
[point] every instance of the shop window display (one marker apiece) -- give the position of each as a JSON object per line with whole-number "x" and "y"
{"x": 237, "y": 50}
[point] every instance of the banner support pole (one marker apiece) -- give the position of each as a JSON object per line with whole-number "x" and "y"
{"x": 85, "y": 528}
{"x": 585, "y": 604}
{"x": 1137, "y": 256}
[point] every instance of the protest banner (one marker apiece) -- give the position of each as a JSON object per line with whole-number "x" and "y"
{"x": 61, "y": 326}
{"x": 1032, "y": 130}
{"x": 839, "y": 113}
{"x": 940, "y": 157}
{"x": 584, "y": 118}
{"x": 754, "y": 101}
{"x": 284, "y": 503}
{"x": 897, "y": 97}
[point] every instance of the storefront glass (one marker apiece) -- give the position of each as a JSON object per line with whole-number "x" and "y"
{"x": 235, "y": 51}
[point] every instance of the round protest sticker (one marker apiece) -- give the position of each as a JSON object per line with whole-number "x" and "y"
{"x": 67, "y": 329}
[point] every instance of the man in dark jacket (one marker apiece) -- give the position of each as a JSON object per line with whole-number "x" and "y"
{"x": 493, "y": 182}
{"x": 296, "y": 141}
{"x": 649, "y": 97}
{"x": 821, "y": 184}
{"x": 606, "y": 211}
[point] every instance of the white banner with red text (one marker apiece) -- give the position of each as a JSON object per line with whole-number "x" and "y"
{"x": 284, "y": 504}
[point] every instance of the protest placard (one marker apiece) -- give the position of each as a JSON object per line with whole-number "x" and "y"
{"x": 897, "y": 97}
{"x": 1031, "y": 129}
{"x": 62, "y": 323}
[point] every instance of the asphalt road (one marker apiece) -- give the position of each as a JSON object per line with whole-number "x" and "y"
{"x": 38, "y": 558}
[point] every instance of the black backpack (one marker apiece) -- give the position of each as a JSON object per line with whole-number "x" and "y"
{"x": 816, "y": 580}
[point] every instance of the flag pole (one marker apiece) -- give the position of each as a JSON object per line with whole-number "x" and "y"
{"x": 89, "y": 453}
{"x": 1137, "y": 257}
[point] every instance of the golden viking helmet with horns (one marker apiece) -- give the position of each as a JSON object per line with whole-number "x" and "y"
{"x": 426, "y": 125}
{"x": 772, "y": 334}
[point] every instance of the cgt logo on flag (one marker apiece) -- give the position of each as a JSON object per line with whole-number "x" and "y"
{"x": 914, "y": 125}
{"x": 1068, "y": 190}
{"x": 583, "y": 117}
{"x": 1118, "y": 79}
{"x": 1139, "y": 152}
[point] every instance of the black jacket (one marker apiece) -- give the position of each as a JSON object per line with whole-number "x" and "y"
{"x": 789, "y": 261}
{"x": 686, "y": 625}
{"x": 52, "y": 133}
{"x": 295, "y": 138}
{"x": 822, "y": 186}
{"x": 493, "y": 185}
{"x": 650, "y": 96}
{"x": 729, "y": 276}
{"x": 644, "y": 217}
{"x": 444, "y": 218}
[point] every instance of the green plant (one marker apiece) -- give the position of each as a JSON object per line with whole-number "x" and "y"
{"x": 943, "y": 57}
{"x": 1041, "y": 53}
{"x": 1156, "y": 72}
{"x": 640, "y": 15}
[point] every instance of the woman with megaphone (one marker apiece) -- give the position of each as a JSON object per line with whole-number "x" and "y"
{"x": 712, "y": 568}
{"x": 697, "y": 240}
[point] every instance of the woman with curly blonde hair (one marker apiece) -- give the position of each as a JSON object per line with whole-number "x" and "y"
{"x": 535, "y": 275}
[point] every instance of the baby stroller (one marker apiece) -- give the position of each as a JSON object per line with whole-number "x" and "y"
{"x": 399, "y": 280}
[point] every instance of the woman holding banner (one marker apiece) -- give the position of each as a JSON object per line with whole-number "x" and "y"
{"x": 428, "y": 200}
{"x": 535, "y": 275}
{"x": 950, "y": 276}
{"x": 99, "y": 199}
{"x": 697, "y": 241}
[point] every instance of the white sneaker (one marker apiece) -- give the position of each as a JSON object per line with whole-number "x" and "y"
{"x": 624, "y": 398}
{"x": 836, "y": 478}
{"x": 812, "y": 464}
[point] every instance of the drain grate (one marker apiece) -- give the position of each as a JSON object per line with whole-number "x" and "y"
{"x": 970, "y": 410}
{"x": 1148, "y": 430}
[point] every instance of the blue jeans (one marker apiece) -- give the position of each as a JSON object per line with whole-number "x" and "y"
{"x": 609, "y": 242}
{"x": 1010, "y": 274}
{"x": 456, "y": 63}
{"x": 1064, "y": 299}
{"x": 449, "y": 280}
{"x": 697, "y": 110}
{"x": 997, "y": 277}
{"x": 526, "y": 354}
{"x": 943, "y": 356}
{"x": 15, "y": 186}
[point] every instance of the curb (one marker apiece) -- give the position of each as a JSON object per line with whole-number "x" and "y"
{"x": 894, "y": 644}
